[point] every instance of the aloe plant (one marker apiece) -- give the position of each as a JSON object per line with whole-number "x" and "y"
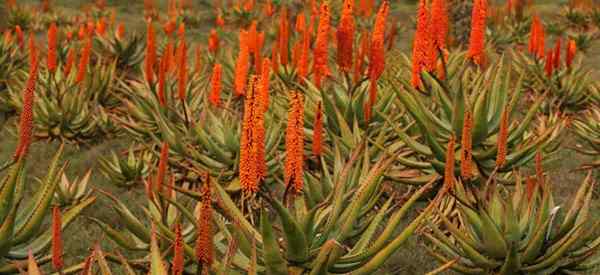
{"x": 520, "y": 233}
{"x": 440, "y": 114}
{"x": 22, "y": 217}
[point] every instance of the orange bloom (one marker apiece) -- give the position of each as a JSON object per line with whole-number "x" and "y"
{"x": 502, "y": 139}
{"x": 248, "y": 5}
{"x": 260, "y": 40}
{"x": 439, "y": 19}
{"x": 377, "y": 53}
{"x": 181, "y": 31}
{"x": 366, "y": 7}
{"x": 213, "y": 41}
{"x": 304, "y": 58}
{"x": 531, "y": 186}
{"x": 541, "y": 42}
{"x": 360, "y": 56}
{"x": 100, "y": 26}
{"x": 150, "y": 53}
{"x": 120, "y": 31}
{"x": 84, "y": 60}
{"x": 284, "y": 36}
{"x": 82, "y": 33}
{"x": 52, "y": 45}
{"x": 556, "y": 54}
{"x": 90, "y": 28}
{"x": 220, "y": 21}
{"x": 321, "y": 51}
{"x": 571, "y": 51}
{"x": 248, "y": 167}
{"x": 178, "y": 253}
{"x": 57, "y": 243}
{"x": 204, "y": 244}
{"x": 182, "y": 70}
{"x": 69, "y": 36}
{"x": 163, "y": 163}
{"x": 26, "y": 119}
{"x": 162, "y": 78}
{"x": 169, "y": 27}
{"x": 269, "y": 9}
{"x": 533, "y": 35}
{"x": 345, "y": 36}
{"x": 70, "y": 61}
{"x": 11, "y": 4}
{"x": 449, "y": 167}
{"x": 20, "y": 37}
{"x": 264, "y": 84}
{"x": 242, "y": 64}
{"x": 549, "y": 66}
{"x": 317, "y": 144}
{"x": 294, "y": 143}
{"x": 466, "y": 147}
{"x": 215, "y": 83}
{"x": 477, "y": 38}
{"x": 420, "y": 44}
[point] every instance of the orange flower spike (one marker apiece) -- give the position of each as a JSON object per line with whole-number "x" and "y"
{"x": 477, "y": 38}
{"x": 242, "y": 64}
{"x": 120, "y": 31}
{"x": 204, "y": 244}
{"x": 101, "y": 27}
{"x": 52, "y": 47}
{"x": 182, "y": 70}
{"x": 304, "y": 59}
{"x": 163, "y": 163}
{"x": 70, "y": 61}
{"x": 252, "y": 37}
{"x": 360, "y": 56}
{"x": 530, "y": 188}
{"x": 90, "y": 28}
{"x": 377, "y": 50}
{"x": 84, "y": 60}
{"x": 260, "y": 40}
{"x": 264, "y": 84}
{"x": 11, "y": 4}
{"x": 275, "y": 56}
{"x": 533, "y": 36}
{"x": 284, "y": 36}
{"x": 449, "y": 167}
{"x": 213, "y": 41}
{"x": 419, "y": 43}
{"x": 247, "y": 167}
{"x": 82, "y": 33}
{"x": 321, "y": 48}
{"x": 439, "y": 18}
{"x": 294, "y": 143}
{"x": 181, "y": 31}
{"x": 541, "y": 42}
{"x": 317, "y": 145}
{"x": 178, "y": 253}
{"x": 502, "y": 139}
{"x": 150, "y": 53}
{"x": 57, "y": 242}
{"x": 26, "y": 118}
{"x": 215, "y": 84}
{"x": 169, "y": 27}
{"x": 466, "y": 147}
{"x": 20, "y": 36}
{"x": 366, "y": 8}
{"x": 571, "y": 52}
{"x": 220, "y": 22}
{"x": 258, "y": 133}
{"x": 549, "y": 65}
{"x": 345, "y": 37}
{"x": 556, "y": 54}
{"x": 269, "y": 9}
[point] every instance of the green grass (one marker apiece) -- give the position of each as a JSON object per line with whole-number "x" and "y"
{"x": 410, "y": 259}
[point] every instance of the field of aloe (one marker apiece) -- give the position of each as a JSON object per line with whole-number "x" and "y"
{"x": 299, "y": 137}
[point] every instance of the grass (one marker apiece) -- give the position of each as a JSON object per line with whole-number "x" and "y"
{"x": 410, "y": 259}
